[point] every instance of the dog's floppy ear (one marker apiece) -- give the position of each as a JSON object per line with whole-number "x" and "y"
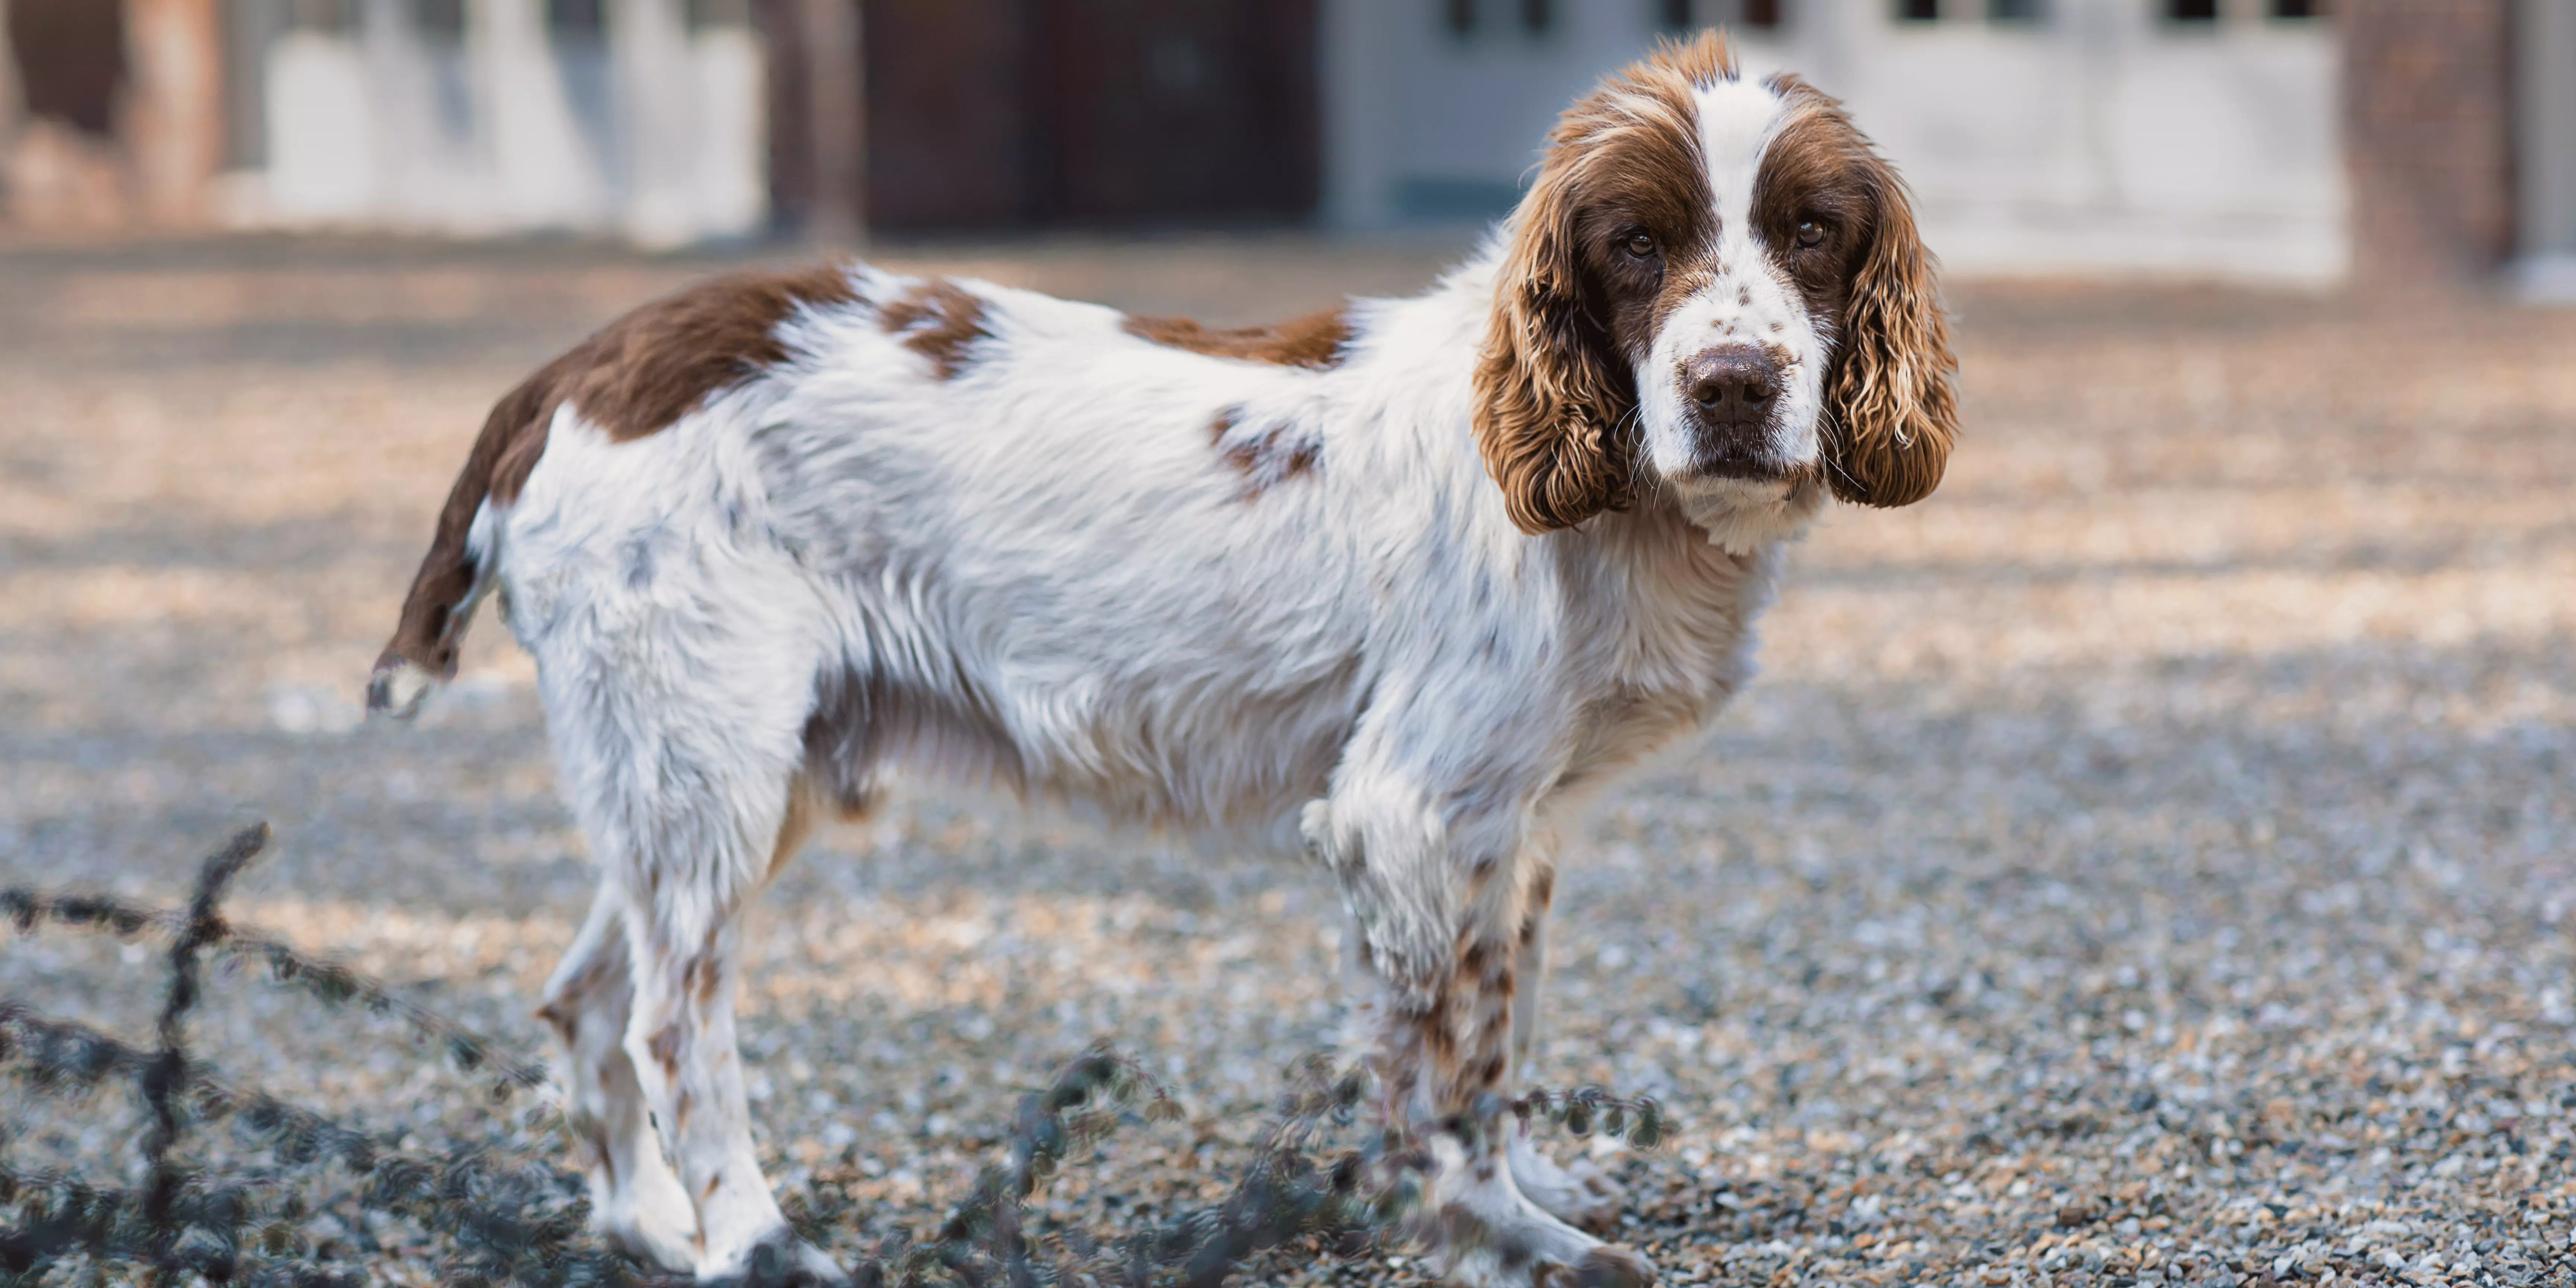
{"x": 1548, "y": 403}
{"x": 1891, "y": 411}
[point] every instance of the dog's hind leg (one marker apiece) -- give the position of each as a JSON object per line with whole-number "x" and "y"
{"x": 635, "y": 1197}
{"x": 678, "y": 712}
{"x": 712, "y": 833}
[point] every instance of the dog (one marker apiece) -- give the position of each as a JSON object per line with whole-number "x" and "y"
{"x": 1397, "y": 586}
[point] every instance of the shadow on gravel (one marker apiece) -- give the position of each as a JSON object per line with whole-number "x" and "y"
{"x": 522, "y": 1220}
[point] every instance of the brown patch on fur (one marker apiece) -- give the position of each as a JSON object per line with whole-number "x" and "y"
{"x": 939, "y": 320}
{"x": 658, "y": 363}
{"x": 636, "y": 376}
{"x": 665, "y": 1046}
{"x": 560, "y": 1021}
{"x": 1265, "y": 459}
{"x": 563, "y": 1010}
{"x": 705, "y": 977}
{"x": 1468, "y": 1029}
{"x": 1457, "y": 1045}
{"x": 793, "y": 829}
{"x": 1575, "y": 307}
{"x": 1439, "y": 1038}
{"x": 1891, "y": 411}
{"x": 1314, "y": 341}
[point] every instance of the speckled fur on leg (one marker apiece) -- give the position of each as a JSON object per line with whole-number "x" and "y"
{"x": 1580, "y": 1195}
{"x": 1441, "y": 1063}
{"x": 635, "y": 1198}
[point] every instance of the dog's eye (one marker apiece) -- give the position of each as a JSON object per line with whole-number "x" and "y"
{"x": 1641, "y": 245}
{"x": 1811, "y": 234}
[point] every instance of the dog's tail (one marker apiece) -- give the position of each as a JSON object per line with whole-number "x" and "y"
{"x": 464, "y": 554}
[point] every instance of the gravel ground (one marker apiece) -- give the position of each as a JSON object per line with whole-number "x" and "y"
{"x": 2148, "y": 862}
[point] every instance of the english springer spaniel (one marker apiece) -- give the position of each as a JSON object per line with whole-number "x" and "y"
{"x": 1398, "y": 586}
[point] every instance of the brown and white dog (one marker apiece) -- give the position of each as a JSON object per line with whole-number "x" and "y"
{"x": 1397, "y": 586}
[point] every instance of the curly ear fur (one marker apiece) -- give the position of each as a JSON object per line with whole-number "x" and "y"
{"x": 1891, "y": 411}
{"x": 1548, "y": 404}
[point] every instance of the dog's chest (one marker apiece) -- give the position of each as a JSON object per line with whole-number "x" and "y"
{"x": 1680, "y": 645}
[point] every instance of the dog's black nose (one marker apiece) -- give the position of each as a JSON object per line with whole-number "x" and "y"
{"x": 1732, "y": 389}
{"x": 1733, "y": 384}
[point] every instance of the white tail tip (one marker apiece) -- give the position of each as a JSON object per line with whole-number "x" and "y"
{"x": 397, "y": 688}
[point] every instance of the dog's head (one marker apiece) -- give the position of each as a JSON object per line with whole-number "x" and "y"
{"x": 1714, "y": 287}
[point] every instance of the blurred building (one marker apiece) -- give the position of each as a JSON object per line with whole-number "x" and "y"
{"x": 2297, "y": 140}
{"x": 645, "y": 117}
{"x": 2039, "y": 135}
{"x": 2293, "y": 140}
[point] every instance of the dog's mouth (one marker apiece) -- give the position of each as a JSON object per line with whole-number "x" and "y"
{"x": 1760, "y": 469}
{"x": 1735, "y": 461}
{"x": 1747, "y": 475}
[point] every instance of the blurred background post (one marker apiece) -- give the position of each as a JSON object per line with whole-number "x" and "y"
{"x": 835, "y": 108}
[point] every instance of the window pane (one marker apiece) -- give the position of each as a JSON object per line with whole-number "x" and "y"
{"x": 317, "y": 15}
{"x": 1917, "y": 10}
{"x": 718, "y": 13}
{"x": 2192, "y": 10}
{"x": 577, "y": 17}
{"x": 439, "y": 19}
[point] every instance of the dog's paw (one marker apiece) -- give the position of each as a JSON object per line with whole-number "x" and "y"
{"x": 785, "y": 1261}
{"x": 1505, "y": 1263}
{"x": 1582, "y": 1196}
{"x": 397, "y": 687}
{"x": 1611, "y": 1266}
{"x": 653, "y": 1225}
{"x": 1487, "y": 1233}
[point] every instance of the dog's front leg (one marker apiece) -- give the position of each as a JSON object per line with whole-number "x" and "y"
{"x": 1580, "y": 1195}
{"x": 1437, "y": 906}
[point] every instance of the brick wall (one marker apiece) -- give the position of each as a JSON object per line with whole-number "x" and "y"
{"x": 2428, "y": 112}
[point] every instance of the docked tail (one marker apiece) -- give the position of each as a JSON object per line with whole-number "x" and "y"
{"x": 460, "y": 565}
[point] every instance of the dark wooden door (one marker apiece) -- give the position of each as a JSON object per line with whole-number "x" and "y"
{"x": 949, "y": 105}
{"x": 1176, "y": 111}
{"x": 70, "y": 58}
{"x": 1097, "y": 113}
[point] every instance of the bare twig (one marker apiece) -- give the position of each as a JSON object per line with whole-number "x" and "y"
{"x": 165, "y": 1081}
{"x": 332, "y": 983}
